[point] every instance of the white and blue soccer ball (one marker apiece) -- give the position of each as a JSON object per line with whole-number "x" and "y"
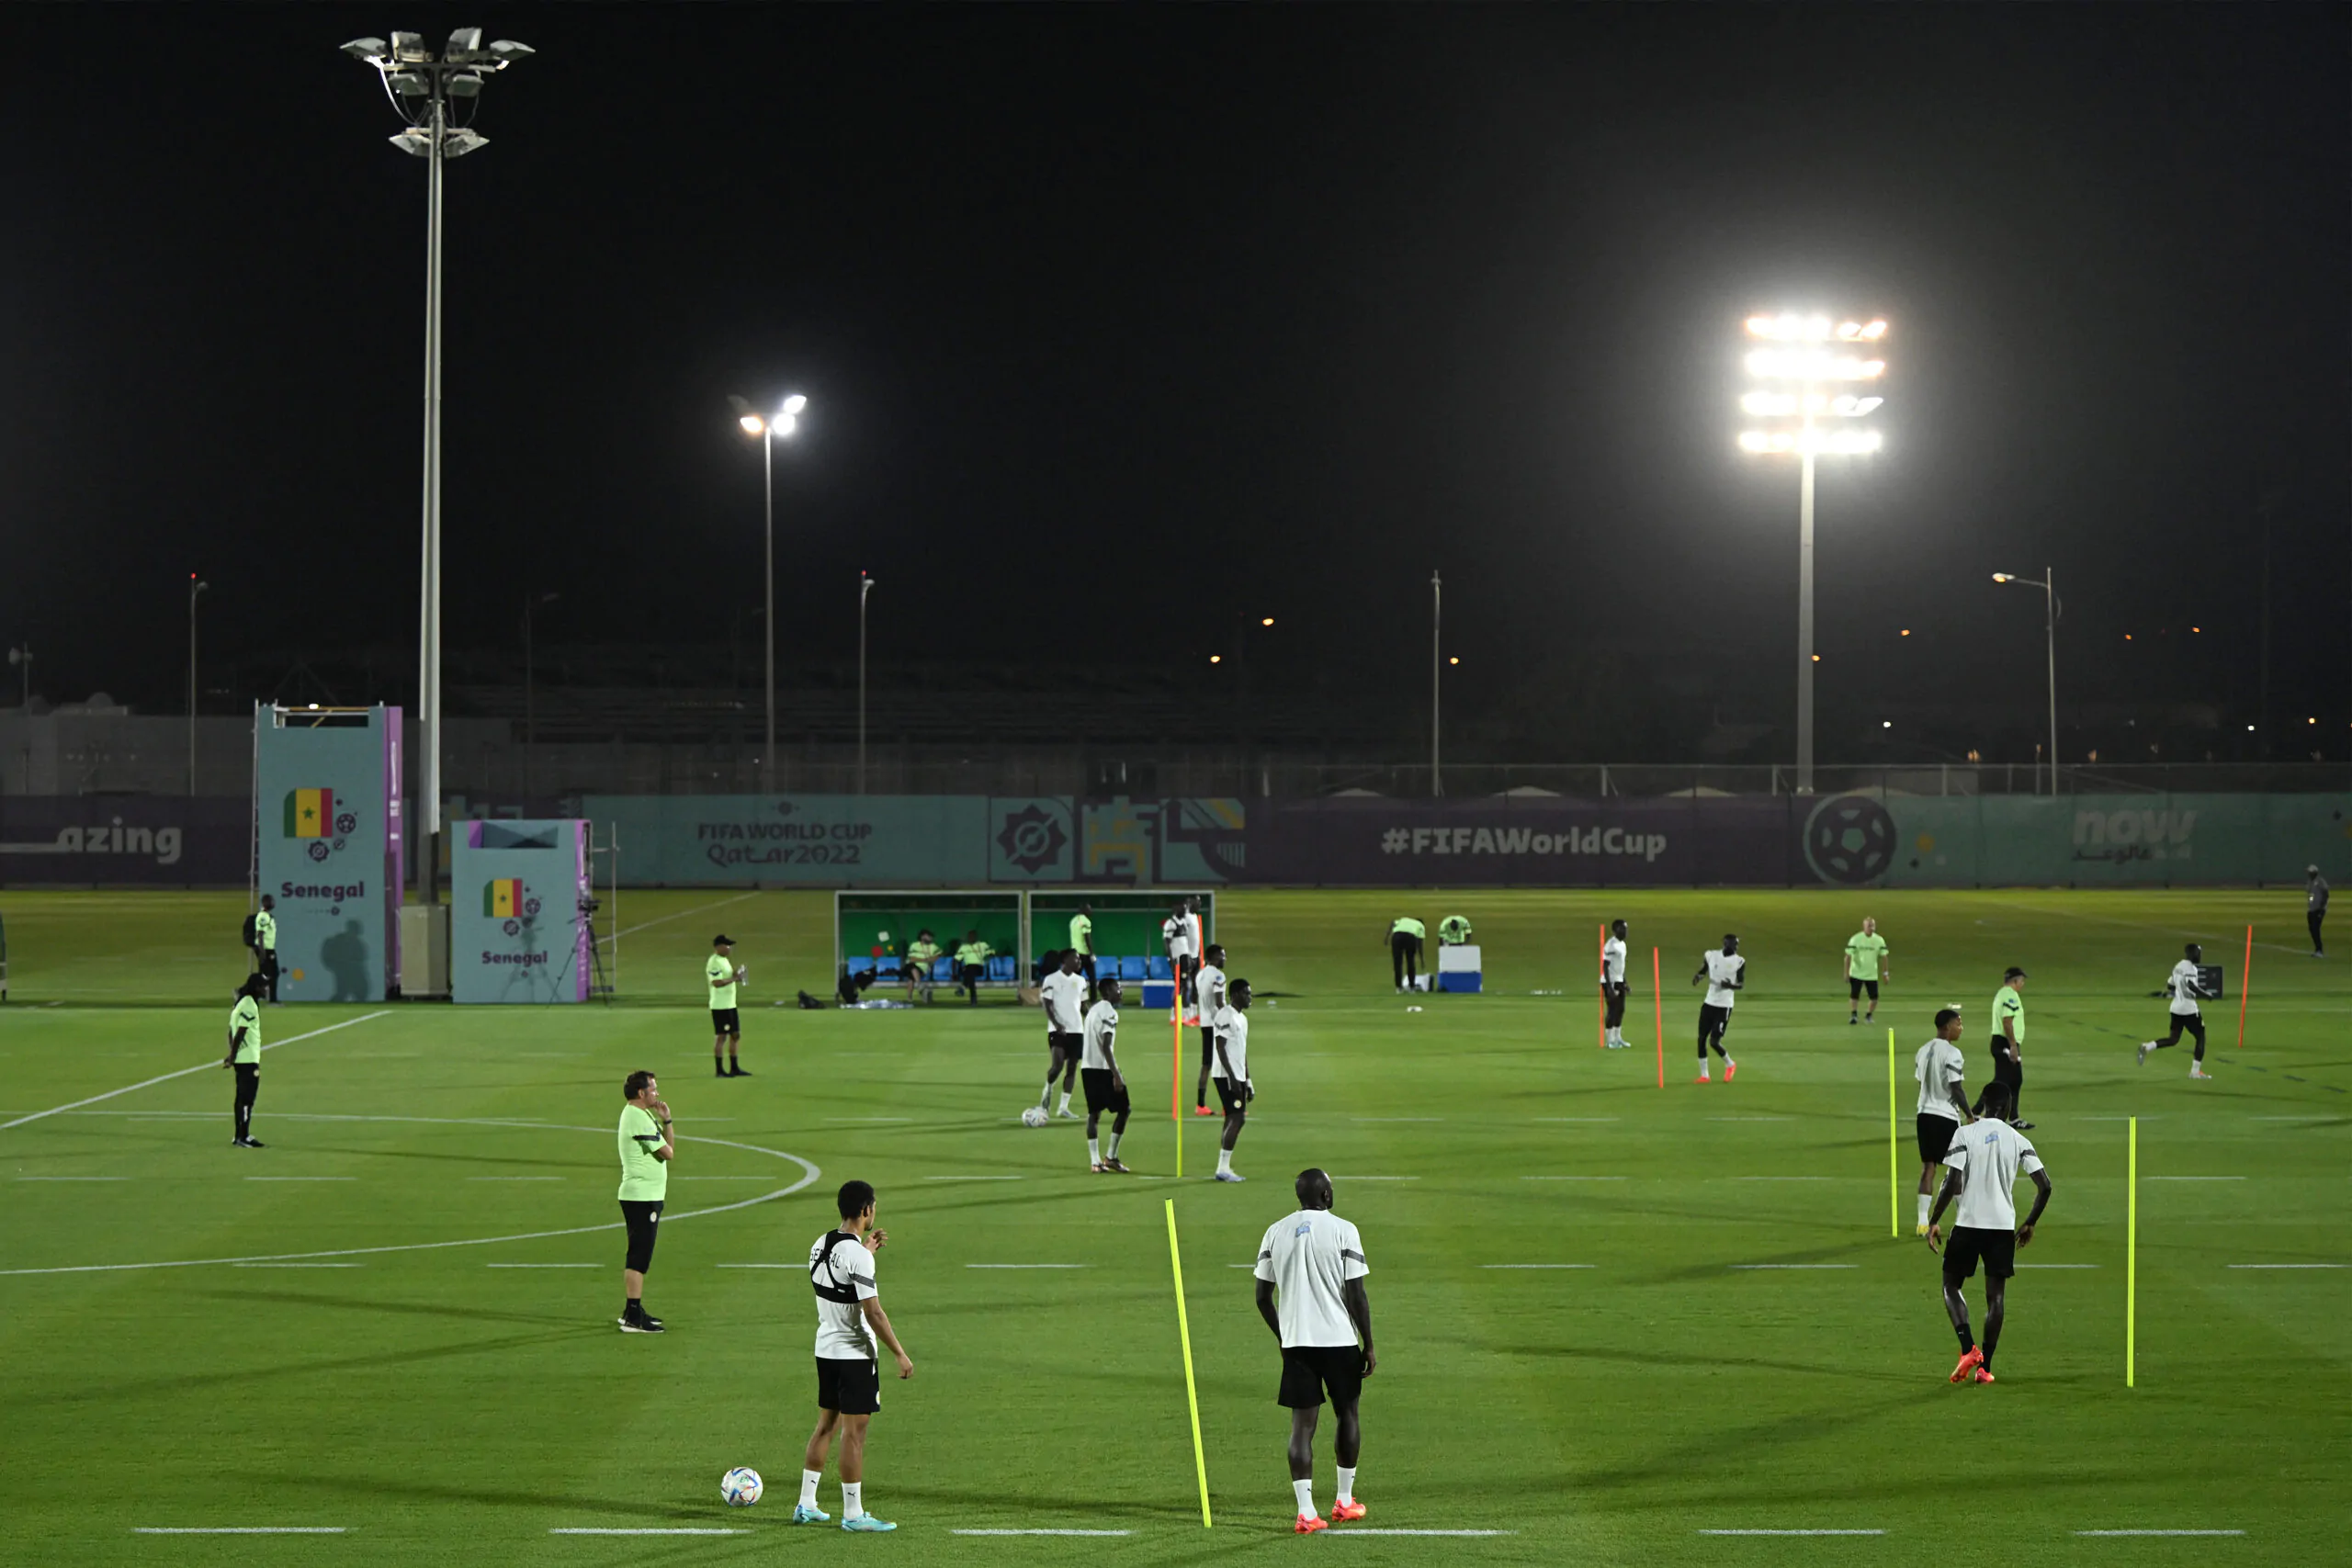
{"x": 1032, "y": 1116}
{"x": 741, "y": 1486}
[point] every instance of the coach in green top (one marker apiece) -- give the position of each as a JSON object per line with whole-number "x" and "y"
{"x": 1866, "y": 966}
{"x": 1405, "y": 934}
{"x": 266, "y": 944}
{"x": 726, "y": 1024}
{"x": 244, "y": 1057}
{"x": 972, "y": 963}
{"x": 646, "y": 1148}
{"x": 1453, "y": 931}
{"x": 2008, "y": 1044}
{"x": 922, "y": 953}
{"x": 1082, "y": 941}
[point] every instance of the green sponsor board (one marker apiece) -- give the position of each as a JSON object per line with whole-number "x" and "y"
{"x": 2087, "y": 841}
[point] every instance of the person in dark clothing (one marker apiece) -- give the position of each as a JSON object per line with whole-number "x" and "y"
{"x": 2315, "y": 907}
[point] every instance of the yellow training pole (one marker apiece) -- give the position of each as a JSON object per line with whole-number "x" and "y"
{"x": 2132, "y": 1261}
{"x": 1184, "y": 1333}
{"x": 1894, "y": 1160}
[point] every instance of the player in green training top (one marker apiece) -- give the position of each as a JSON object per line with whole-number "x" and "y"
{"x": 726, "y": 1023}
{"x": 1866, "y": 966}
{"x": 244, "y": 1056}
{"x": 646, "y": 1148}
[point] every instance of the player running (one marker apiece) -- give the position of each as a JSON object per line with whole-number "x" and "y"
{"x": 1107, "y": 1087}
{"x": 1943, "y": 1101}
{"x": 1208, "y": 994}
{"x": 724, "y": 975}
{"x": 1984, "y": 1163}
{"x": 1725, "y": 972}
{"x": 1232, "y": 1079}
{"x": 1866, "y": 964}
{"x": 1612, "y": 986}
{"x": 849, "y": 1386}
{"x": 1064, "y": 994}
{"x": 1323, "y": 1322}
{"x": 2184, "y": 986}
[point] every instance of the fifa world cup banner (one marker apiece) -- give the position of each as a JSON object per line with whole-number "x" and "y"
{"x": 1513, "y": 841}
{"x": 518, "y": 912}
{"x": 326, "y": 821}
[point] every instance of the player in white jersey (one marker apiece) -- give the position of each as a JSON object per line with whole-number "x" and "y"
{"x": 1064, "y": 995}
{"x": 1232, "y": 1079}
{"x": 2184, "y": 986}
{"x": 1984, "y": 1163}
{"x": 1725, "y": 972}
{"x": 1613, "y": 985}
{"x": 849, "y": 1388}
{"x": 1313, "y": 1261}
{"x": 1107, "y": 1087}
{"x": 1208, "y": 994}
{"x": 1943, "y": 1101}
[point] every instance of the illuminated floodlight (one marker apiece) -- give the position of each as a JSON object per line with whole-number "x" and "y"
{"x": 752, "y": 424}
{"x": 793, "y": 404}
{"x": 1771, "y": 405}
{"x": 1791, "y": 327}
{"x": 1812, "y": 443}
{"x": 1813, "y": 365}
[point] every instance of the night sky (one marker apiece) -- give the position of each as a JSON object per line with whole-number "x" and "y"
{"x": 1123, "y": 323}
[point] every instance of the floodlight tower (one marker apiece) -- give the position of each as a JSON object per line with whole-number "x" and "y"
{"x": 1799, "y": 358}
{"x": 429, "y": 91}
{"x": 786, "y": 421}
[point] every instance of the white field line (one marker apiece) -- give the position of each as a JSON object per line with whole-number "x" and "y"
{"x": 809, "y": 1173}
{"x": 1579, "y": 1118}
{"x": 755, "y": 1265}
{"x": 1396, "y": 1118}
{"x": 681, "y": 914}
{"x": 2057, "y": 1265}
{"x": 298, "y": 1266}
{"x": 73, "y": 1179}
{"x": 869, "y": 1119}
{"x": 1375, "y": 1179}
{"x": 1751, "y": 1118}
{"x": 240, "y": 1529}
{"x": 203, "y": 1067}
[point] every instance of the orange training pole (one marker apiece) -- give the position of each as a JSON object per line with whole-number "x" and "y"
{"x": 2245, "y": 981}
{"x": 1658, "y": 1011}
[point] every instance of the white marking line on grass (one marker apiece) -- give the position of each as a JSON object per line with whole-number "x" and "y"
{"x": 240, "y": 1529}
{"x": 1040, "y": 1532}
{"x": 755, "y": 1265}
{"x": 582, "y": 1529}
{"x": 2057, "y": 1265}
{"x": 1790, "y": 1532}
{"x": 1779, "y": 1178}
{"x": 809, "y": 1173}
{"x": 299, "y": 1266}
{"x": 73, "y": 1179}
{"x": 2286, "y": 1118}
{"x": 1028, "y": 1265}
{"x": 2160, "y": 1532}
{"x": 205, "y": 1066}
{"x": 681, "y": 914}
{"x": 2288, "y": 1265}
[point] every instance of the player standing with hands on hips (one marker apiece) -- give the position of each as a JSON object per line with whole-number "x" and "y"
{"x": 1612, "y": 986}
{"x": 726, "y": 1023}
{"x": 646, "y": 1148}
{"x": 1984, "y": 1163}
{"x": 1866, "y": 964}
{"x": 1725, "y": 972}
{"x": 849, "y": 1385}
{"x": 2184, "y": 986}
{"x": 244, "y": 1057}
{"x": 1313, "y": 1261}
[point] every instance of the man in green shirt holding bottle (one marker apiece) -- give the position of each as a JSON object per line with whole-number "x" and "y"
{"x": 724, "y": 975}
{"x": 244, "y": 1057}
{"x": 646, "y": 1148}
{"x": 1082, "y": 941}
{"x": 1405, "y": 934}
{"x": 1866, "y": 964}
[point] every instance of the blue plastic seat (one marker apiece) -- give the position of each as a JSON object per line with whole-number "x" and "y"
{"x": 1156, "y": 969}
{"x": 860, "y": 965}
{"x": 943, "y": 968}
{"x": 1132, "y": 968}
{"x": 1004, "y": 966}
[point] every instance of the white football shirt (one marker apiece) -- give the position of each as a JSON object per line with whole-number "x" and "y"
{"x": 1065, "y": 996}
{"x": 841, "y": 1333}
{"x": 1101, "y": 1028}
{"x": 1233, "y": 1029}
{"x": 1209, "y": 994}
{"x": 1992, "y": 1153}
{"x": 1612, "y": 961}
{"x": 1309, "y": 1257}
{"x": 1176, "y": 931}
{"x": 1939, "y": 1069}
{"x": 1722, "y": 968}
{"x": 2185, "y": 988}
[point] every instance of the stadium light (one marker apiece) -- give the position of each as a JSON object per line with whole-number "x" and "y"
{"x": 1805, "y": 351}
{"x": 426, "y": 90}
{"x": 2049, "y": 586}
{"x": 786, "y": 421}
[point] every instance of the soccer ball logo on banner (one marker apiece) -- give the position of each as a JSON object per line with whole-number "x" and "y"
{"x": 1849, "y": 838}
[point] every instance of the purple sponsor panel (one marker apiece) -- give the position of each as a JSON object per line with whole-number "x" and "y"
{"x": 124, "y": 841}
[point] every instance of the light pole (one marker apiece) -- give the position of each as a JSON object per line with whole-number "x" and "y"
{"x": 428, "y": 90}
{"x": 786, "y": 421}
{"x": 22, "y": 658}
{"x": 1800, "y": 356}
{"x": 195, "y": 587}
{"x": 865, "y": 587}
{"x": 1437, "y": 783}
{"x": 2049, "y": 587}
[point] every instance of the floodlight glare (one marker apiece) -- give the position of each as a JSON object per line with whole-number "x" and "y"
{"x": 785, "y": 424}
{"x": 751, "y": 424}
{"x": 794, "y": 404}
{"x": 1766, "y": 364}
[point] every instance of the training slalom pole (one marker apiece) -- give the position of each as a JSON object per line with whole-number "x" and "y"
{"x": 2132, "y": 1260}
{"x": 2245, "y": 984}
{"x": 1657, "y": 1012}
{"x": 1184, "y": 1333}
{"x": 1894, "y": 1160}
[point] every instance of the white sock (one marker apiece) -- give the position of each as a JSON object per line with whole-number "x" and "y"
{"x": 852, "y": 1499}
{"x": 808, "y": 1479}
{"x": 1225, "y": 1163}
{"x": 1306, "y": 1490}
{"x": 1064, "y": 1100}
{"x": 1094, "y": 1151}
{"x": 1923, "y": 1208}
{"x": 1346, "y": 1484}
{"x": 1114, "y": 1143}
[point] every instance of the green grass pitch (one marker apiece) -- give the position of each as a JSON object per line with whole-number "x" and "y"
{"x": 446, "y": 1404}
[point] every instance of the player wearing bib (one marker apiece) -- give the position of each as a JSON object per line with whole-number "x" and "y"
{"x": 1613, "y": 985}
{"x": 1985, "y": 1161}
{"x": 1943, "y": 1101}
{"x": 1232, "y": 1079}
{"x": 646, "y": 1148}
{"x": 1064, "y": 994}
{"x": 1208, "y": 994}
{"x": 244, "y": 1057}
{"x": 849, "y": 1386}
{"x": 266, "y": 944}
{"x": 2008, "y": 1044}
{"x": 1865, "y": 966}
{"x": 1725, "y": 972}
{"x": 2184, "y": 986}
{"x": 1310, "y": 1276}
{"x": 922, "y": 953}
{"x": 1404, "y": 936}
{"x": 723, "y": 975}
{"x": 1107, "y": 1087}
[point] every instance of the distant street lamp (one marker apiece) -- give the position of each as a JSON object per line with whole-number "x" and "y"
{"x": 2050, "y": 631}
{"x": 194, "y": 588}
{"x": 428, "y": 90}
{"x": 1799, "y": 358}
{"x": 785, "y": 421}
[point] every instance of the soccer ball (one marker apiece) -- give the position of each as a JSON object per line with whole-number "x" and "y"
{"x": 1032, "y": 1116}
{"x": 741, "y": 1486}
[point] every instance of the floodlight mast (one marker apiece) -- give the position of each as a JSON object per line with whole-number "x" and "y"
{"x": 1808, "y": 365}
{"x": 425, "y": 88}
